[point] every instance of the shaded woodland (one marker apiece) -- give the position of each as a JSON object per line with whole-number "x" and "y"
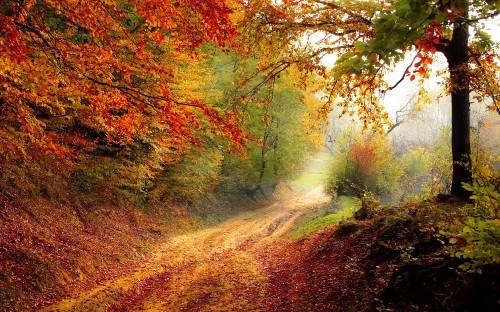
{"x": 127, "y": 126}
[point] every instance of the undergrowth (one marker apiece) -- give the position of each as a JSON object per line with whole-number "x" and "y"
{"x": 439, "y": 254}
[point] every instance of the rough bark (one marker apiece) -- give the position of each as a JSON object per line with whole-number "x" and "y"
{"x": 457, "y": 56}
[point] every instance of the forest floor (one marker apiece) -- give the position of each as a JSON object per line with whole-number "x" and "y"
{"x": 223, "y": 268}
{"x": 382, "y": 262}
{"x": 300, "y": 251}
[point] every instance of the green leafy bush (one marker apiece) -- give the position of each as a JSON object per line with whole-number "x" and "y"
{"x": 363, "y": 164}
{"x": 478, "y": 244}
{"x": 477, "y": 240}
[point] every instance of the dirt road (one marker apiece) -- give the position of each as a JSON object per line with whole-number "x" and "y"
{"x": 216, "y": 269}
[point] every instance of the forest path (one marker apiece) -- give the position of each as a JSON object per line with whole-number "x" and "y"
{"x": 216, "y": 269}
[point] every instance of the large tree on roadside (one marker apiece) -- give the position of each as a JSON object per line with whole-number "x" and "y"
{"x": 370, "y": 37}
{"x": 442, "y": 26}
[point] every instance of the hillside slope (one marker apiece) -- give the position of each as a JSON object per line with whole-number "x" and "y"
{"x": 48, "y": 250}
{"x": 391, "y": 261}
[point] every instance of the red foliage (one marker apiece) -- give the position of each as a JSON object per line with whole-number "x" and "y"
{"x": 364, "y": 157}
{"x": 428, "y": 49}
{"x": 48, "y": 251}
{"x": 107, "y": 65}
{"x": 315, "y": 274}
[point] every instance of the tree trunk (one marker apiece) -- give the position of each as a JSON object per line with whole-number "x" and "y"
{"x": 457, "y": 56}
{"x": 263, "y": 148}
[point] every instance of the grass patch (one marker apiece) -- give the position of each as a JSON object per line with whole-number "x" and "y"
{"x": 325, "y": 216}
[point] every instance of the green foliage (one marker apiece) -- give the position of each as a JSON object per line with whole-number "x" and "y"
{"x": 477, "y": 243}
{"x": 272, "y": 111}
{"x": 477, "y": 240}
{"x": 392, "y": 33}
{"x": 400, "y": 27}
{"x": 363, "y": 164}
{"x": 440, "y": 165}
{"x": 427, "y": 170}
{"x": 88, "y": 180}
{"x": 415, "y": 166}
{"x": 486, "y": 198}
{"x": 195, "y": 176}
{"x": 485, "y": 164}
{"x": 119, "y": 179}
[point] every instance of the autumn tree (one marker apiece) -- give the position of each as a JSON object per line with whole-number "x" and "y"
{"x": 76, "y": 74}
{"x": 442, "y": 27}
{"x": 370, "y": 37}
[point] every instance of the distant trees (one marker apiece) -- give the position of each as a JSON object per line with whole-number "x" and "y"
{"x": 274, "y": 113}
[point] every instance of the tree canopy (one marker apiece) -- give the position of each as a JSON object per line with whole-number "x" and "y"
{"x": 79, "y": 73}
{"x": 367, "y": 39}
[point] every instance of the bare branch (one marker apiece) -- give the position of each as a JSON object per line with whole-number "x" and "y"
{"x": 404, "y": 74}
{"x": 402, "y": 113}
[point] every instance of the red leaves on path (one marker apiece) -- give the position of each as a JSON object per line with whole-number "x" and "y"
{"x": 319, "y": 273}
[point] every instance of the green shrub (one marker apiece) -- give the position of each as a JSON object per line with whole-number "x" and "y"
{"x": 477, "y": 240}
{"x": 193, "y": 177}
{"x": 363, "y": 164}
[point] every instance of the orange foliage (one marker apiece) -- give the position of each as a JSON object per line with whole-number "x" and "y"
{"x": 365, "y": 157}
{"x": 78, "y": 72}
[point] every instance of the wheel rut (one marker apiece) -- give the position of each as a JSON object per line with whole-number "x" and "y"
{"x": 215, "y": 269}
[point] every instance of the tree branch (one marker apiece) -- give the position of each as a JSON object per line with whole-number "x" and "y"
{"x": 493, "y": 14}
{"x": 404, "y": 74}
{"x": 271, "y": 75}
{"x": 336, "y": 7}
{"x": 491, "y": 93}
{"x": 403, "y": 112}
{"x": 34, "y": 31}
{"x": 127, "y": 90}
{"x": 124, "y": 89}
